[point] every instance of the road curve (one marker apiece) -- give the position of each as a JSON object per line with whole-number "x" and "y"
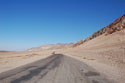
{"x": 57, "y": 68}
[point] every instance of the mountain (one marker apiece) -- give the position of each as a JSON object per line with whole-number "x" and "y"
{"x": 51, "y": 47}
{"x": 117, "y": 25}
{"x": 5, "y": 51}
{"x": 104, "y": 50}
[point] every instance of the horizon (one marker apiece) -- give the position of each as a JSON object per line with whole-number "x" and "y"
{"x": 31, "y": 23}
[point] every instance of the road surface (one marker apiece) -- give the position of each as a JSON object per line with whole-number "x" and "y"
{"x": 57, "y": 68}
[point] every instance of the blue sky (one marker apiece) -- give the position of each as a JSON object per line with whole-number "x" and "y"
{"x": 30, "y": 23}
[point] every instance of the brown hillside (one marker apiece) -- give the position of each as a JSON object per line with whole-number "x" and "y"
{"x": 117, "y": 25}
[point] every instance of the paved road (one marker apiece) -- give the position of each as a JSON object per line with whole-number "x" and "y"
{"x": 57, "y": 68}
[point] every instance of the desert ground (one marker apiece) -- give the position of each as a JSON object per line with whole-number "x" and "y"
{"x": 11, "y": 60}
{"x": 106, "y": 54}
{"x": 57, "y": 68}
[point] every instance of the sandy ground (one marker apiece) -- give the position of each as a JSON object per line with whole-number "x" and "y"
{"x": 57, "y": 68}
{"x": 106, "y": 54}
{"x": 11, "y": 60}
{"x": 112, "y": 73}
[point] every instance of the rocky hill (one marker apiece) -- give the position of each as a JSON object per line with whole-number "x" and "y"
{"x": 51, "y": 47}
{"x": 117, "y": 25}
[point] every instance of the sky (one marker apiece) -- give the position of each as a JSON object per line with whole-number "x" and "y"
{"x": 30, "y": 23}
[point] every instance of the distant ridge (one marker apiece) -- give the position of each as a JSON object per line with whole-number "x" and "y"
{"x": 4, "y": 51}
{"x": 51, "y": 47}
{"x": 117, "y": 25}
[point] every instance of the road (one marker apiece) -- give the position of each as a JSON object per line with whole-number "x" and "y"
{"x": 57, "y": 68}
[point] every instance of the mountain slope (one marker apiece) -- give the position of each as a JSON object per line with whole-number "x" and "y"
{"x": 117, "y": 25}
